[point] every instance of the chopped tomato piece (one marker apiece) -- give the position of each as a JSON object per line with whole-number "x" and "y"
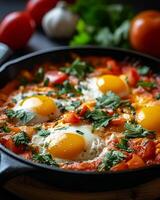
{"x": 71, "y": 117}
{"x": 118, "y": 121}
{"x": 132, "y": 74}
{"x": 56, "y": 77}
{"x": 135, "y": 162}
{"x": 148, "y": 151}
{"x": 119, "y": 167}
{"x": 83, "y": 166}
{"x": 84, "y": 109}
{"x": 9, "y": 144}
{"x": 113, "y": 66}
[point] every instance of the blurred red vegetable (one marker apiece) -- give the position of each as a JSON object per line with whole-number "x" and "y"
{"x": 145, "y": 32}
{"x": 16, "y": 29}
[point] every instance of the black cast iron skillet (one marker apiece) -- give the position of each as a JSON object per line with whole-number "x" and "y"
{"x": 12, "y": 165}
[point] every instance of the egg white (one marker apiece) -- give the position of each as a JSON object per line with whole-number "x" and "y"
{"x": 91, "y": 90}
{"x": 94, "y": 144}
{"x": 38, "y": 118}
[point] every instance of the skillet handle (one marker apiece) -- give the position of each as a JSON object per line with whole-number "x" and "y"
{"x": 5, "y": 53}
{"x": 10, "y": 168}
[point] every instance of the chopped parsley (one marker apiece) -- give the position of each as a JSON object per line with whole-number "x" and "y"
{"x": 109, "y": 100}
{"x": 67, "y": 88}
{"x": 73, "y": 105}
{"x": 134, "y": 130}
{"x": 113, "y": 101}
{"x": 146, "y": 84}
{"x": 39, "y": 76}
{"x": 99, "y": 118}
{"x": 143, "y": 70}
{"x": 78, "y": 68}
{"x": 21, "y": 138}
{"x": 5, "y": 129}
{"x": 124, "y": 145}
{"x": 43, "y": 132}
{"x": 23, "y": 116}
{"x": 111, "y": 158}
{"x": 44, "y": 159}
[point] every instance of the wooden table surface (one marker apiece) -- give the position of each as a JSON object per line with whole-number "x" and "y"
{"x": 7, "y": 6}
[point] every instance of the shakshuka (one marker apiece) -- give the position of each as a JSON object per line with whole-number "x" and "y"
{"x": 89, "y": 114}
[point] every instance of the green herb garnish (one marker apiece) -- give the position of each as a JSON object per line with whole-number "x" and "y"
{"x": 99, "y": 118}
{"x": 134, "y": 130}
{"x": 43, "y": 132}
{"x": 146, "y": 84}
{"x": 78, "y": 68}
{"x": 45, "y": 159}
{"x": 23, "y": 116}
{"x": 21, "y": 138}
{"x": 143, "y": 70}
{"x": 124, "y": 145}
{"x": 67, "y": 88}
{"x": 5, "y": 129}
{"x": 73, "y": 105}
{"x": 111, "y": 158}
{"x": 110, "y": 100}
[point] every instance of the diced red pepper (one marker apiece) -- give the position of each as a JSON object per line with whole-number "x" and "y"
{"x": 132, "y": 74}
{"x": 148, "y": 151}
{"x": 9, "y": 144}
{"x": 118, "y": 121}
{"x": 83, "y": 110}
{"x": 119, "y": 167}
{"x": 71, "y": 117}
{"x": 113, "y": 66}
{"x": 135, "y": 162}
{"x": 56, "y": 77}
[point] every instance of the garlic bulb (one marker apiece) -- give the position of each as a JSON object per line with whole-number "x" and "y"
{"x": 59, "y": 22}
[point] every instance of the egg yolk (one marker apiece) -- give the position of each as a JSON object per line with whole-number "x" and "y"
{"x": 68, "y": 146}
{"x": 40, "y": 104}
{"x": 149, "y": 117}
{"x": 112, "y": 83}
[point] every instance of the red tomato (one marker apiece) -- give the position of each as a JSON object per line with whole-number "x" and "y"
{"x": 38, "y": 8}
{"x": 16, "y": 29}
{"x": 113, "y": 66}
{"x": 148, "y": 151}
{"x": 84, "y": 109}
{"x": 135, "y": 162}
{"x": 9, "y": 144}
{"x": 119, "y": 167}
{"x": 145, "y": 32}
{"x": 118, "y": 121}
{"x": 71, "y": 117}
{"x": 132, "y": 74}
{"x": 56, "y": 77}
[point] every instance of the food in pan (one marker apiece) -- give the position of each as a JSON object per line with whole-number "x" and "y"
{"x": 89, "y": 114}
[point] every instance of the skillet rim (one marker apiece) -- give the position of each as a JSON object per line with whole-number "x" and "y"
{"x": 60, "y": 170}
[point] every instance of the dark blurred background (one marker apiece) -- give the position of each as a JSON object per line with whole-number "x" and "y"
{"x": 7, "y": 6}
